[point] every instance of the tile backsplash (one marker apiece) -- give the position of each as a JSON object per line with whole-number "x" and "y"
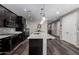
{"x": 6, "y": 30}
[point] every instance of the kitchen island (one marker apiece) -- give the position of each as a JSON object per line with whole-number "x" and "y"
{"x": 38, "y": 43}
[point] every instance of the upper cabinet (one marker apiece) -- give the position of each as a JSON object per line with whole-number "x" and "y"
{"x": 11, "y": 18}
{"x": 20, "y": 22}
{"x": 7, "y": 18}
{"x": 2, "y": 16}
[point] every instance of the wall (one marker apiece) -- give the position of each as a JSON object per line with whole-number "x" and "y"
{"x": 69, "y": 28}
{"x": 53, "y": 28}
{"x": 33, "y": 25}
{"x": 58, "y": 28}
{"x": 78, "y": 29}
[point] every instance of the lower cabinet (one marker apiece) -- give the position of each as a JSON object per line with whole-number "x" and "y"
{"x": 5, "y": 45}
{"x": 9, "y": 43}
{"x": 35, "y": 46}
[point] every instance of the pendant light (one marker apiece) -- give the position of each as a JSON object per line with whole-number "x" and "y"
{"x": 43, "y": 14}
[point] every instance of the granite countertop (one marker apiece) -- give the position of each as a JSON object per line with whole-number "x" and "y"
{"x": 4, "y": 35}
{"x": 37, "y": 35}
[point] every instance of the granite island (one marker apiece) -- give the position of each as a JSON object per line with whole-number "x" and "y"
{"x": 38, "y": 43}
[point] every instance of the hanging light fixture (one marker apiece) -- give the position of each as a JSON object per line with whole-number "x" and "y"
{"x": 29, "y": 14}
{"x": 43, "y": 14}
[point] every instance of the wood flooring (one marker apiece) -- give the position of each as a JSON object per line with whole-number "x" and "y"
{"x": 54, "y": 47}
{"x": 60, "y": 47}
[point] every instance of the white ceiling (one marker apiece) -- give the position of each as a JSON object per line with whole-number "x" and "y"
{"x": 50, "y": 10}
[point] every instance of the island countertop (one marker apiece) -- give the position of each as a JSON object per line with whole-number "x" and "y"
{"x": 37, "y": 35}
{"x": 41, "y": 35}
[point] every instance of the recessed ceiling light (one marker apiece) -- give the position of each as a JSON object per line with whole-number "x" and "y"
{"x": 25, "y": 9}
{"x": 57, "y": 12}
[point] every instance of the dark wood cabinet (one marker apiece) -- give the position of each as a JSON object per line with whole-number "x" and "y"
{"x": 2, "y": 16}
{"x": 17, "y": 39}
{"x": 35, "y": 46}
{"x": 2, "y": 11}
{"x": 10, "y": 19}
{"x": 19, "y": 22}
{"x": 9, "y": 43}
{"x": 5, "y": 44}
{"x": 7, "y": 18}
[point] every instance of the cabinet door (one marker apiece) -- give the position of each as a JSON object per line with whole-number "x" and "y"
{"x": 2, "y": 11}
{"x": 13, "y": 41}
{"x": 2, "y": 16}
{"x": 19, "y": 22}
{"x": 10, "y": 22}
{"x": 5, "y": 45}
{"x": 7, "y": 18}
{"x": 35, "y": 46}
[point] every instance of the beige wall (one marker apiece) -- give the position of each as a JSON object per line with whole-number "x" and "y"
{"x": 53, "y": 29}
{"x": 69, "y": 28}
{"x": 33, "y": 25}
{"x": 58, "y": 28}
{"x": 78, "y": 29}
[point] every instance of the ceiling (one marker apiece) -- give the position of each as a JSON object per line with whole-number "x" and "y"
{"x": 52, "y": 11}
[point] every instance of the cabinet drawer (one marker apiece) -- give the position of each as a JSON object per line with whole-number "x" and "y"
{"x": 5, "y": 48}
{"x": 4, "y": 40}
{"x": 1, "y": 49}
